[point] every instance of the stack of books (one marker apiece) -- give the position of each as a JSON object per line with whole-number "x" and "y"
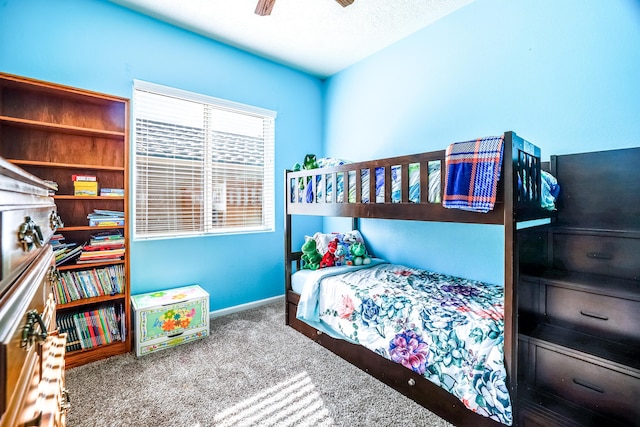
{"x": 66, "y": 252}
{"x": 85, "y": 185}
{"x": 103, "y": 247}
{"x": 105, "y": 218}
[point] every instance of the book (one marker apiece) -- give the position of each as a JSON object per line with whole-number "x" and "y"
{"x": 85, "y": 192}
{"x": 105, "y": 218}
{"x": 106, "y": 238}
{"x": 79, "y": 177}
{"x": 112, "y": 192}
{"x": 101, "y": 254}
{"x": 85, "y": 188}
{"x": 82, "y": 331}
{"x": 104, "y": 212}
{"x": 106, "y": 222}
{"x": 104, "y": 246}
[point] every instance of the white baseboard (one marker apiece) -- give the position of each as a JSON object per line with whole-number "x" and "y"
{"x": 243, "y": 307}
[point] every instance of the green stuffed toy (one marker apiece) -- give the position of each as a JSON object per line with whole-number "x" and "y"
{"x": 310, "y": 256}
{"x": 310, "y": 162}
{"x": 359, "y": 254}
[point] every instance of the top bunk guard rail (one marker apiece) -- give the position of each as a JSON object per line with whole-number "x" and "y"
{"x": 358, "y": 196}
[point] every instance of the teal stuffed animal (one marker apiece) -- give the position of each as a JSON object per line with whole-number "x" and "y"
{"x": 359, "y": 254}
{"x": 310, "y": 256}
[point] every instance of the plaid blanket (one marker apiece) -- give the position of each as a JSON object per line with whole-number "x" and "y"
{"x": 472, "y": 174}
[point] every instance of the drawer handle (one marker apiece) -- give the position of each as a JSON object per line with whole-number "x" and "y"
{"x": 587, "y": 385}
{"x": 28, "y": 331}
{"x": 55, "y": 221}
{"x": 598, "y": 255}
{"x": 594, "y": 315}
{"x": 30, "y": 234}
{"x": 65, "y": 400}
{"x": 175, "y": 335}
{"x": 53, "y": 276}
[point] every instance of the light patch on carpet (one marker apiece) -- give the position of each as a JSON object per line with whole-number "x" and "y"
{"x": 291, "y": 402}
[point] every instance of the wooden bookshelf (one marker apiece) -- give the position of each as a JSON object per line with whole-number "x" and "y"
{"x": 54, "y": 131}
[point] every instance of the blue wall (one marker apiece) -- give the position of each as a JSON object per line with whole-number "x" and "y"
{"x": 564, "y": 75}
{"x": 97, "y": 45}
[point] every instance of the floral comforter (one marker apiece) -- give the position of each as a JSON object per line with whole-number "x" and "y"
{"x": 447, "y": 329}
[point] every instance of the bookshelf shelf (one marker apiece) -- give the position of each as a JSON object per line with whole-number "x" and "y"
{"x": 66, "y": 267}
{"x": 54, "y": 132}
{"x": 81, "y": 357}
{"x": 88, "y": 228}
{"x": 65, "y": 165}
{"x": 60, "y": 128}
{"x": 88, "y": 301}
{"x": 70, "y": 197}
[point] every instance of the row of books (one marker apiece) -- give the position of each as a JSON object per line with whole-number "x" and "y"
{"x": 76, "y": 285}
{"x": 105, "y": 218}
{"x": 93, "y": 328}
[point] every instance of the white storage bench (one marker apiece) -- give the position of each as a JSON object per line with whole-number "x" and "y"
{"x": 168, "y": 318}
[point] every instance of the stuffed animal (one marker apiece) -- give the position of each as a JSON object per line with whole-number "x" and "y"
{"x": 340, "y": 254}
{"x": 346, "y": 240}
{"x": 310, "y": 256}
{"x": 329, "y": 258}
{"x": 359, "y": 253}
{"x": 309, "y": 163}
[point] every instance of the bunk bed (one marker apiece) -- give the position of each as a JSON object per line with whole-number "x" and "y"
{"x": 403, "y": 188}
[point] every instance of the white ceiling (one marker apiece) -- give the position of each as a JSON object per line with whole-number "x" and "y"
{"x": 319, "y": 37}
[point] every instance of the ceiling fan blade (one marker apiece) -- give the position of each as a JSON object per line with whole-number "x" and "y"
{"x": 264, "y": 7}
{"x": 345, "y": 3}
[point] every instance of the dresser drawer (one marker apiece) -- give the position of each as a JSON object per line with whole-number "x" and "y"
{"x": 25, "y": 230}
{"x": 29, "y": 294}
{"x": 597, "y": 254}
{"x": 594, "y": 313}
{"x": 163, "y": 343}
{"x": 610, "y": 392}
{"x": 47, "y": 400}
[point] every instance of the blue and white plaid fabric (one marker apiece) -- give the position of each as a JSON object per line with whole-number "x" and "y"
{"x": 472, "y": 174}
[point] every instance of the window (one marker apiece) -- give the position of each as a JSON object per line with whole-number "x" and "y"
{"x": 202, "y": 165}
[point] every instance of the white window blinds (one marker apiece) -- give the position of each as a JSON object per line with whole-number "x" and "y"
{"x": 202, "y": 165}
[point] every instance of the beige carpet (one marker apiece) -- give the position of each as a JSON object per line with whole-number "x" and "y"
{"x": 252, "y": 371}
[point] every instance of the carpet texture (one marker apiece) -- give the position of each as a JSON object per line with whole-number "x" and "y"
{"x": 252, "y": 371}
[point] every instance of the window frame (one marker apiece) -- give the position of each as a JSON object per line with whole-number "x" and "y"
{"x": 268, "y": 177}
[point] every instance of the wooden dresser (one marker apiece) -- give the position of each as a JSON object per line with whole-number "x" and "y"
{"x": 579, "y": 298}
{"x": 31, "y": 352}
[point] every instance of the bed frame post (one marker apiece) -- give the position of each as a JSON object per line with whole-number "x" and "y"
{"x": 510, "y": 157}
{"x": 288, "y": 258}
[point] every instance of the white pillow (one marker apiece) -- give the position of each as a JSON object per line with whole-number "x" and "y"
{"x": 323, "y": 239}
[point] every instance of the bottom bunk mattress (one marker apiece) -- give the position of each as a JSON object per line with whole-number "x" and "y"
{"x": 447, "y": 329}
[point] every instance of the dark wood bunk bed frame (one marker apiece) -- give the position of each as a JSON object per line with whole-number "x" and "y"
{"x": 521, "y": 161}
